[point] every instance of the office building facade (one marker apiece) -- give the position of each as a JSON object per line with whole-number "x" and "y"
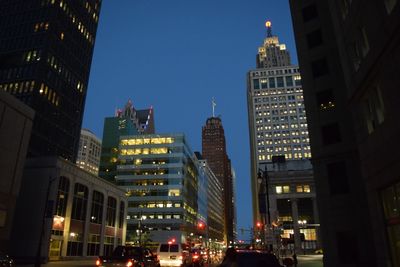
{"x": 89, "y": 152}
{"x": 46, "y": 50}
{"x": 127, "y": 121}
{"x": 276, "y": 113}
{"x": 348, "y": 53}
{"x": 160, "y": 178}
{"x": 214, "y": 151}
{"x": 66, "y": 212}
{"x": 214, "y": 209}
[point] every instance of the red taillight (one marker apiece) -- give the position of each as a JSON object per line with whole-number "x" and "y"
{"x": 129, "y": 263}
{"x": 98, "y": 262}
{"x": 195, "y": 257}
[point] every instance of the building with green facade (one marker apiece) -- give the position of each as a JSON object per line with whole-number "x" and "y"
{"x": 127, "y": 121}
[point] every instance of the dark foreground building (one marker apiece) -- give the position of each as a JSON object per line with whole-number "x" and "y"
{"x": 46, "y": 49}
{"x": 349, "y": 56}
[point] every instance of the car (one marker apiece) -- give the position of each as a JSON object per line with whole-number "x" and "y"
{"x": 129, "y": 256}
{"x": 198, "y": 257}
{"x": 5, "y": 260}
{"x": 174, "y": 254}
{"x": 256, "y": 258}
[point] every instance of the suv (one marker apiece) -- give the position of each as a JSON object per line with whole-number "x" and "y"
{"x": 173, "y": 254}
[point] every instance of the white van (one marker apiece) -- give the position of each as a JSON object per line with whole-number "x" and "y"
{"x": 173, "y": 255}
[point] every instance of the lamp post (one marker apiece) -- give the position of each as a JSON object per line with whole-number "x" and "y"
{"x": 262, "y": 176}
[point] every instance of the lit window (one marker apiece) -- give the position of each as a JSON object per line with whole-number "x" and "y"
{"x": 286, "y": 189}
{"x": 299, "y": 189}
{"x": 278, "y": 189}
{"x": 306, "y": 189}
{"x": 174, "y": 192}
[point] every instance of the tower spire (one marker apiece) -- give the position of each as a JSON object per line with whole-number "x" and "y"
{"x": 268, "y": 24}
{"x": 213, "y": 106}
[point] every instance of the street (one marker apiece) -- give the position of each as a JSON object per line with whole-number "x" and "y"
{"x": 304, "y": 261}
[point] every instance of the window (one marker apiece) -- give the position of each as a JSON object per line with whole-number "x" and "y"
{"x": 325, "y": 100}
{"x": 289, "y": 81}
{"x": 314, "y": 39}
{"x": 174, "y": 192}
{"x": 96, "y": 214}
{"x": 256, "y": 84}
{"x": 309, "y": 12}
{"x": 278, "y": 189}
{"x": 271, "y": 82}
{"x": 111, "y": 211}
{"x": 80, "y": 202}
{"x": 279, "y": 81}
{"x": 319, "y": 67}
{"x": 373, "y": 109}
{"x": 331, "y": 134}
{"x": 297, "y": 80}
{"x": 390, "y": 4}
{"x": 264, "y": 83}
{"x": 62, "y": 197}
{"x": 121, "y": 214}
{"x": 337, "y": 178}
{"x": 303, "y": 189}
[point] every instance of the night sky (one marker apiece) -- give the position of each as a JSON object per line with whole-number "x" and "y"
{"x": 175, "y": 55}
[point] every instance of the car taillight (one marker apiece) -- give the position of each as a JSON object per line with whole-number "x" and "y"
{"x": 195, "y": 257}
{"x": 129, "y": 263}
{"x": 98, "y": 262}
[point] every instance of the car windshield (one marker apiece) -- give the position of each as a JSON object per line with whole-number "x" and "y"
{"x": 164, "y": 248}
{"x": 256, "y": 260}
{"x": 174, "y": 248}
{"x": 122, "y": 251}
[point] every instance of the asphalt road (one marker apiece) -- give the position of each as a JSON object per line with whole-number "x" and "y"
{"x": 304, "y": 261}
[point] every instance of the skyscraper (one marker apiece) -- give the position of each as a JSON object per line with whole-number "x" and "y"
{"x": 277, "y": 118}
{"x": 89, "y": 152}
{"x": 349, "y": 52}
{"x": 46, "y": 51}
{"x": 214, "y": 151}
{"x": 127, "y": 121}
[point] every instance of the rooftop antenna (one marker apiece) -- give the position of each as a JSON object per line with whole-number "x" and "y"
{"x": 213, "y": 106}
{"x": 268, "y": 24}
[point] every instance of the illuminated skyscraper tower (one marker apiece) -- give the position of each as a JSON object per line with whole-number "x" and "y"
{"x": 277, "y": 118}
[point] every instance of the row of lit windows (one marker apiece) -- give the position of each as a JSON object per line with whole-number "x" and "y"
{"x": 282, "y": 112}
{"x": 42, "y": 26}
{"x": 50, "y": 94}
{"x": 282, "y": 126}
{"x": 90, "y": 10}
{"x": 81, "y": 28}
{"x": 144, "y": 151}
{"x": 283, "y": 148}
{"x": 59, "y": 68}
{"x": 279, "y": 134}
{"x": 273, "y": 72}
{"x": 156, "y": 216}
{"x": 18, "y": 88}
{"x": 283, "y": 141}
{"x": 285, "y": 189}
{"x": 287, "y": 156}
{"x": 274, "y": 82}
{"x": 31, "y": 56}
{"x": 146, "y": 192}
{"x": 289, "y": 91}
{"x": 146, "y": 141}
{"x": 152, "y": 205}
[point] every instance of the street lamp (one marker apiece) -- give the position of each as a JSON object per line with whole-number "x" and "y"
{"x": 262, "y": 177}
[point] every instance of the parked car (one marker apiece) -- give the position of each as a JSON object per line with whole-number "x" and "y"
{"x": 129, "y": 256}
{"x": 174, "y": 255}
{"x": 256, "y": 258}
{"x": 5, "y": 260}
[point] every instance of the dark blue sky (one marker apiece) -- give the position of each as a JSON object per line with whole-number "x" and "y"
{"x": 175, "y": 55}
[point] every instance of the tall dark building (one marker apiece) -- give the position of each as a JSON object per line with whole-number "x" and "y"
{"x": 348, "y": 53}
{"x": 46, "y": 49}
{"x": 214, "y": 151}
